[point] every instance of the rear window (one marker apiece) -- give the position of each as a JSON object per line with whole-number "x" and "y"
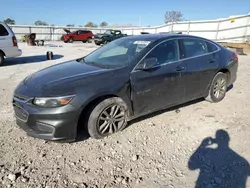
{"x": 211, "y": 47}
{"x": 3, "y": 31}
{"x": 194, "y": 47}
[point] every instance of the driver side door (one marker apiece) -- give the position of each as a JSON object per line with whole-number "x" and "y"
{"x": 162, "y": 85}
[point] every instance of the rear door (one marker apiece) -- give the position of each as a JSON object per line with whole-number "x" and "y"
{"x": 162, "y": 85}
{"x": 84, "y": 35}
{"x": 5, "y": 38}
{"x": 201, "y": 65}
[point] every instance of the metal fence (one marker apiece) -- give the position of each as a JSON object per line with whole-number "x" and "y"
{"x": 232, "y": 29}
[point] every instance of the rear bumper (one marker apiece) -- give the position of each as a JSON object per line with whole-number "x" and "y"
{"x": 233, "y": 69}
{"x": 48, "y": 124}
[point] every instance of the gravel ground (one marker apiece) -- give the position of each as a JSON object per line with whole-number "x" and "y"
{"x": 165, "y": 149}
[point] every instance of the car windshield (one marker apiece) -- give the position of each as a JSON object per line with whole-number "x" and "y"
{"x": 116, "y": 54}
{"x": 108, "y": 32}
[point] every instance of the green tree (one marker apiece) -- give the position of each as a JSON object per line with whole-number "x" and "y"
{"x": 173, "y": 16}
{"x": 90, "y": 24}
{"x": 39, "y": 22}
{"x": 9, "y": 21}
{"x": 103, "y": 24}
{"x": 70, "y": 25}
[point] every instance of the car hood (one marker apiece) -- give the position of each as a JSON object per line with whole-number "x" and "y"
{"x": 64, "y": 77}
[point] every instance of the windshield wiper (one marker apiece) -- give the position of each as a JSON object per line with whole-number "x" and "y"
{"x": 95, "y": 64}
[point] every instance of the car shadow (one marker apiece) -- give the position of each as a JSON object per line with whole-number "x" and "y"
{"x": 175, "y": 108}
{"x": 29, "y": 59}
{"x": 218, "y": 164}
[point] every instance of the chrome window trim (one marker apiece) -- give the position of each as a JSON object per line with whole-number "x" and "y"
{"x": 178, "y": 38}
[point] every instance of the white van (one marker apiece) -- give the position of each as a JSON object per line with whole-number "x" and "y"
{"x": 8, "y": 43}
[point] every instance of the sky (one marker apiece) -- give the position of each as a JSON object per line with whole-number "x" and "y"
{"x": 122, "y": 12}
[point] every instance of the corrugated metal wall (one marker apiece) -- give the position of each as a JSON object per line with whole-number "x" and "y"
{"x": 235, "y": 29}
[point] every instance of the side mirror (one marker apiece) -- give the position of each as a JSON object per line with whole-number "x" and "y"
{"x": 147, "y": 64}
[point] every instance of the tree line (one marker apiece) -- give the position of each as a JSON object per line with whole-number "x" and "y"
{"x": 10, "y": 21}
{"x": 170, "y": 17}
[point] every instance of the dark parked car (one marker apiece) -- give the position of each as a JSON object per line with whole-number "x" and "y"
{"x": 108, "y": 36}
{"x": 80, "y": 35}
{"x": 120, "y": 81}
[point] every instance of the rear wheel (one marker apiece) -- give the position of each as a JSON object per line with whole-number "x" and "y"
{"x": 89, "y": 40}
{"x": 107, "y": 117}
{"x": 218, "y": 88}
{"x": 1, "y": 58}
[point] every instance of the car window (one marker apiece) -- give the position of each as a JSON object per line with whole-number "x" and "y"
{"x": 121, "y": 50}
{"x": 3, "y": 31}
{"x": 194, "y": 47}
{"x": 165, "y": 52}
{"x": 118, "y": 53}
{"x": 211, "y": 47}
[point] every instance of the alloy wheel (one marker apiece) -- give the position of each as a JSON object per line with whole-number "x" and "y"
{"x": 111, "y": 119}
{"x": 220, "y": 88}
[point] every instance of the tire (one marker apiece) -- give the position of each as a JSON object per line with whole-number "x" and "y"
{"x": 1, "y": 59}
{"x": 84, "y": 41}
{"x": 98, "y": 44}
{"x": 66, "y": 41}
{"x": 71, "y": 40}
{"x": 89, "y": 40}
{"x": 218, "y": 88}
{"x": 107, "y": 117}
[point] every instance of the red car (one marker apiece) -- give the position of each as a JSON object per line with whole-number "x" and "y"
{"x": 79, "y": 35}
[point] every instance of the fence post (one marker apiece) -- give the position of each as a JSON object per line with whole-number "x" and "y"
{"x": 188, "y": 27}
{"x": 217, "y": 31}
{"x": 247, "y": 23}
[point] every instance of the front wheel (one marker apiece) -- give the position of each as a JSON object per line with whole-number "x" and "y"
{"x": 1, "y": 58}
{"x": 71, "y": 40}
{"x": 108, "y": 117}
{"x": 218, "y": 88}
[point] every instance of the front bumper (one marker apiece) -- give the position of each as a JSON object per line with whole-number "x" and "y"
{"x": 48, "y": 124}
{"x": 98, "y": 41}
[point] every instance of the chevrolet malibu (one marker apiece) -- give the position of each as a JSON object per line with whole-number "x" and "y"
{"x": 125, "y": 79}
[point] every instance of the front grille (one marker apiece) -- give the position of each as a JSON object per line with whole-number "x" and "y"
{"x": 21, "y": 113}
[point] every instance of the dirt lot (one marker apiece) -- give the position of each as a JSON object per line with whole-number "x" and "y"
{"x": 153, "y": 152}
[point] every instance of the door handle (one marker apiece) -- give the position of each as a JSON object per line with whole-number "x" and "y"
{"x": 180, "y": 68}
{"x": 211, "y": 60}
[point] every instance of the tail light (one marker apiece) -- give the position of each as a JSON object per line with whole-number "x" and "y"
{"x": 14, "y": 41}
{"x": 235, "y": 56}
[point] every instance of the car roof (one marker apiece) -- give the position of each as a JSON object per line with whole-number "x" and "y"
{"x": 156, "y": 36}
{"x": 160, "y": 37}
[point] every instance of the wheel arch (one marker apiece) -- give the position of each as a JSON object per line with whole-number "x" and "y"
{"x": 1, "y": 51}
{"x": 226, "y": 71}
{"x": 86, "y": 109}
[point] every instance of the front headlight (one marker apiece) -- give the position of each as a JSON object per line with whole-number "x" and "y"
{"x": 52, "y": 102}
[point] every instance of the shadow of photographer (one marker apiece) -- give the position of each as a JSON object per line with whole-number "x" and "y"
{"x": 219, "y": 166}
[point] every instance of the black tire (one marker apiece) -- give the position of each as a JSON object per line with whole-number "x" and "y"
{"x": 218, "y": 88}
{"x": 89, "y": 40}
{"x": 1, "y": 59}
{"x": 66, "y": 41}
{"x": 71, "y": 40}
{"x": 98, "y": 44}
{"x": 84, "y": 41}
{"x": 107, "y": 117}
